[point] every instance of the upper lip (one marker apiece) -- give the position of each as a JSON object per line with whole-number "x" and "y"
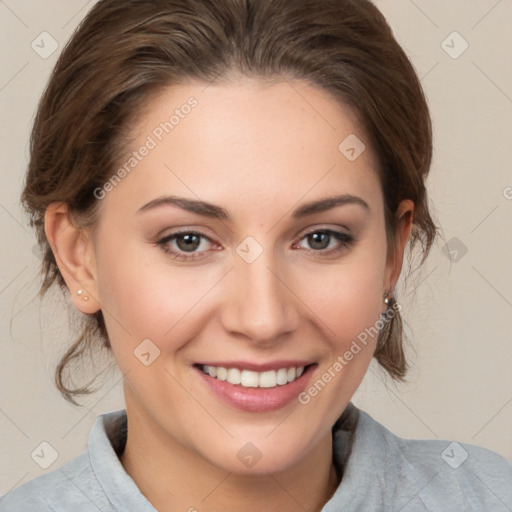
{"x": 257, "y": 367}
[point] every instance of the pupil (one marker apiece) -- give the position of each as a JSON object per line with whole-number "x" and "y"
{"x": 317, "y": 240}
{"x": 190, "y": 242}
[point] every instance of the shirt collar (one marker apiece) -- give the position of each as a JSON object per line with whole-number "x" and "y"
{"x": 360, "y": 450}
{"x": 119, "y": 487}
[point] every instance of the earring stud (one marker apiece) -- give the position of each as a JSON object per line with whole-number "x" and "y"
{"x": 388, "y": 300}
{"x": 80, "y": 292}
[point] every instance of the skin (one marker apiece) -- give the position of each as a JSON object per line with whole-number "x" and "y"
{"x": 259, "y": 151}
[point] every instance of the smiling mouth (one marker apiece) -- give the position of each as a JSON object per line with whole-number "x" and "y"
{"x": 253, "y": 379}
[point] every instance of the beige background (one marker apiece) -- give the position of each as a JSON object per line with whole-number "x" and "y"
{"x": 458, "y": 320}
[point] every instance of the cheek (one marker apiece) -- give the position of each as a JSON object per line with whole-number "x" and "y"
{"x": 144, "y": 298}
{"x": 347, "y": 299}
{"x": 347, "y": 304}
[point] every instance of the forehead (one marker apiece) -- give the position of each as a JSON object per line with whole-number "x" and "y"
{"x": 262, "y": 115}
{"x": 245, "y": 141}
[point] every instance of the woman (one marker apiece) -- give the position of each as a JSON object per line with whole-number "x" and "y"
{"x": 227, "y": 189}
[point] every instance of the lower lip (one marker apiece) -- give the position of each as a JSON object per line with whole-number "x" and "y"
{"x": 257, "y": 399}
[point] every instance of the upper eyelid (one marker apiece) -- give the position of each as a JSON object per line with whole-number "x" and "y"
{"x": 314, "y": 229}
{"x": 302, "y": 234}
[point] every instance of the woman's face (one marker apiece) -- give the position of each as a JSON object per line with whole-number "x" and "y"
{"x": 264, "y": 280}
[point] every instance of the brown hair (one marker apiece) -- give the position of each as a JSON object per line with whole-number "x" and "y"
{"x": 123, "y": 52}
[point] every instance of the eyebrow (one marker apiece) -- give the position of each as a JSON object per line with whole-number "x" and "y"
{"x": 216, "y": 212}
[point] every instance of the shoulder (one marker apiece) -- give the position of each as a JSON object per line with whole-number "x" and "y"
{"x": 439, "y": 474}
{"x": 62, "y": 489}
{"x": 86, "y": 483}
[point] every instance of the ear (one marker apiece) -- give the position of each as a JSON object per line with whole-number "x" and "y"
{"x": 404, "y": 217}
{"x": 74, "y": 253}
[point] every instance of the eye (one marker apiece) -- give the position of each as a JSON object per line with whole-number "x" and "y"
{"x": 194, "y": 245}
{"x": 327, "y": 241}
{"x": 184, "y": 245}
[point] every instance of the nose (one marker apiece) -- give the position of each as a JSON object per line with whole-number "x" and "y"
{"x": 260, "y": 306}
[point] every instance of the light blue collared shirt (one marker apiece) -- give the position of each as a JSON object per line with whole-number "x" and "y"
{"x": 383, "y": 473}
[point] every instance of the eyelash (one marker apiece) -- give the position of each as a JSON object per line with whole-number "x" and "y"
{"x": 344, "y": 239}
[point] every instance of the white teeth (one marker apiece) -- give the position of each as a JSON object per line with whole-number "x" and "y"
{"x": 282, "y": 376}
{"x": 268, "y": 379}
{"x": 251, "y": 379}
{"x": 222, "y": 373}
{"x": 234, "y": 376}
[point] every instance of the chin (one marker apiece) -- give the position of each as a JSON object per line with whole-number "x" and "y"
{"x": 260, "y": 456}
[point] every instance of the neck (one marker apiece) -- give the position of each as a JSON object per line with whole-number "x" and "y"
{"x": 173, "y": 477}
